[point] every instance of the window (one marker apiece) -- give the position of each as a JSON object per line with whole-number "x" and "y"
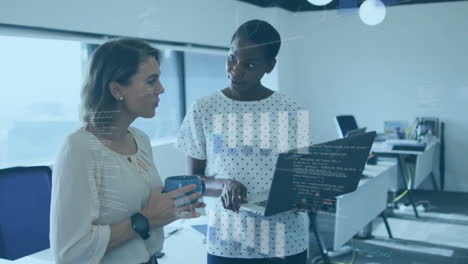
{"x": 204, "y": 75}
{"x": 41, "y": 86}
{"x": 41, "y": 81}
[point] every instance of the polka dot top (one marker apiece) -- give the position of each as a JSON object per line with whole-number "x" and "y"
{"x": 241, "y": 140}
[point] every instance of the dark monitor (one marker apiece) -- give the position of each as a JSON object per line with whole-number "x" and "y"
{"x": 345, "y": 123}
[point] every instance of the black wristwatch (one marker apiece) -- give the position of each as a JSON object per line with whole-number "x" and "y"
{"x": 140, "y": 225}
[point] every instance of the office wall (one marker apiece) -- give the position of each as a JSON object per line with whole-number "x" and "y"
{"x": 413, "y": 64}
{"x": 202, "y": 21}
{"x": 169, "y": 160}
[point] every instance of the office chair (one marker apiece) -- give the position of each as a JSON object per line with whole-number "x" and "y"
{"x": 24, "y": 208}
{"x": 344, "y": 124}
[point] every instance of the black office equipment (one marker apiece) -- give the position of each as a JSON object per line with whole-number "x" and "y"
{"x": 372, "y": 160}
{"x": 410, "y": 147}
{"x": 427, "y": 126}
{"x": 313, "y": 174}
{"x": 308, "y": 171}
{"x": 345, "y": 123}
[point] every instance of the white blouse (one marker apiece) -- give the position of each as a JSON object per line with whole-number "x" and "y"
{"x": 241, "y": 141}
{"x": 94, "y": 187}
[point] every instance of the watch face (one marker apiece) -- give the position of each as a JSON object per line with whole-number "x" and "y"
{"x": 140, "y": 225}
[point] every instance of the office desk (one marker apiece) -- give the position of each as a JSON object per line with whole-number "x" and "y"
{"x": 425, "y": 166}
{"x": 353, "y": 211}
{"x": 186, "y": 244}
{"x": 425, "y": 160}
{"x": 41, "y": 257}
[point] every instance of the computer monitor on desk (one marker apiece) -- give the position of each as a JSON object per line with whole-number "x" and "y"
{"x": 344, "y": 124}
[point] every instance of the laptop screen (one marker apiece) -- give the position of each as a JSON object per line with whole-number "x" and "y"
{"x": 346, "y": 123}
{"x": 330, "y": 169}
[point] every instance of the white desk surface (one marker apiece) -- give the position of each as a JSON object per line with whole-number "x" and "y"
{"x": 41, "y": 257}
{"x": 186, "y": 244}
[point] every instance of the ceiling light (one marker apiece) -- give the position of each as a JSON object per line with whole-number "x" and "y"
{"x": 319, "y": 2}
{"x": 372, "y": 12}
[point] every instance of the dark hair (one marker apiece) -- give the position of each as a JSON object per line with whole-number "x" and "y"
{"x": 261, "y": 33}
{"x": 117, "y": 60}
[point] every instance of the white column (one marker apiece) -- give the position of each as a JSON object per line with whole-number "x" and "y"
{"x": 217, "y": 133}
{"x": 232, "y": 130}
{"x": 248, "y": 129}
{"x": 224, "y": 227}
{"x": 217, "y": 123}
{"x": 236, "y": 233}
{"x": 280, "y": 239}
{"x": 283, "y": 127}
{"x": 264, "y": 237}
{"x": 250, "y": 235}
{"x": 303, "y": 130}
{"x": 264, "y": 130}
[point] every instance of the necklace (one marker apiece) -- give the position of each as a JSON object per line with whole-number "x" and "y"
{"x": 142, "y": 168}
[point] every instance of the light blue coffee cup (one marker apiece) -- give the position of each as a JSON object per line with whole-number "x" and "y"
{"x": 176, "y": 182}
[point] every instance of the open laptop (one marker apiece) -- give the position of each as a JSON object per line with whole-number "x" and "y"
{"x": 328, "y": 170}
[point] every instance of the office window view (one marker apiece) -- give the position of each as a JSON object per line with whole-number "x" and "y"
{"x": 204, "y": 75}
{"x": 41, "y": 81}
{"x": 41, "y": 87}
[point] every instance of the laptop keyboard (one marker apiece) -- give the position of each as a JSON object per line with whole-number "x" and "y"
{"x": 262, "y": 203}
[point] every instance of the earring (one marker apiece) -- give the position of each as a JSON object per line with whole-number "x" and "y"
{"x": 121, "y": 98}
